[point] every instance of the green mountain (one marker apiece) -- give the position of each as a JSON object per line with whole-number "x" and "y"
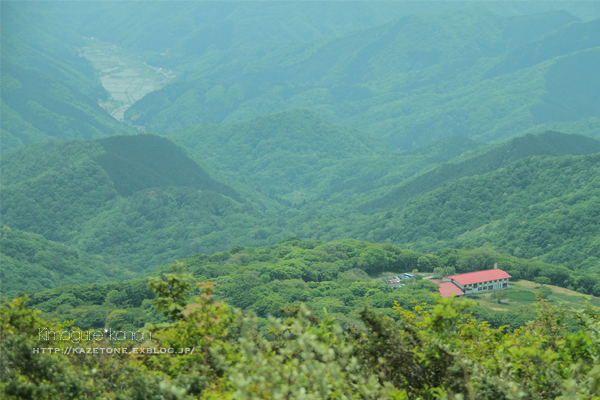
{"x": 30, "y": 263}
{"x": 539, "y": 207}
{"x": 48, "y": 91}
{"x": 401, "y": 80}
{"x": 298, "y": 157}
{"x": 279, "y": 154}
{"x": 140, "y": 196}
{"x": 486, "y": 160}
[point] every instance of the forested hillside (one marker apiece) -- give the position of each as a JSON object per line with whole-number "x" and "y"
{"x": 266, "y": 153}
{"x": 48, "y": 91}
{"x": 144, "y": 199}
{"x": 300, "y": 157}
{"x": 31, "y": 264}
{"x": 381, "y": 79}
{"x": 333, "y": 276}
{"x": 139, "y": 197}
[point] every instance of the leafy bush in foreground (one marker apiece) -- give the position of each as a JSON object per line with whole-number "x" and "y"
{"x": 434, "y": 351}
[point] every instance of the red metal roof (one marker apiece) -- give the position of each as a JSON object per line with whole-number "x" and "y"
{"x": 447, "y": 289}
{"x": 479, "y": 276}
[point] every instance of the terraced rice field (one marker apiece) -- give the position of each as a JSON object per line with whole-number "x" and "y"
{"x": 123, "y": 74}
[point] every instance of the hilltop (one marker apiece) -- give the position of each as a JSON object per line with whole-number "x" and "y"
{"x": 139, "y": 194}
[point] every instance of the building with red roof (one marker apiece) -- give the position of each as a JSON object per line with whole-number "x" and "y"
{"x": 480, "y": 281}
{"x": 448, "y": 289}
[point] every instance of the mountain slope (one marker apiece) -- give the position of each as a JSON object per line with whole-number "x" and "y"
{"x": 412, "y": 81}
{"x": 48, "y": 91}
{"x": 539, "y": 207}
{"x": 144, "y": 161}
{"x": 487, "y": 160}
{"x": 280, "y": 153}
{"x": 371, "y": 177}
{"x": 32, "y": 263}
{"x": 138, "y": 195}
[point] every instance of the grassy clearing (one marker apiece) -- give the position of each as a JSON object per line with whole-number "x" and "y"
{"x": 522, "y": 295}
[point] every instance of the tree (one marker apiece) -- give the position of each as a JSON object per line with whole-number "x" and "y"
{"x": 499, "y": 295}
{"x": 542, "y": 280}
{"x": 171, "y": 290}
{"x": 116, "y": 298}
{"x": 449, "y": 271}
{"x": 428, "y": 262}
{"x": 545, "y": 292}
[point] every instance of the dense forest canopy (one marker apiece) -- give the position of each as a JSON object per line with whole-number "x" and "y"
{"x": 247, "y": 182}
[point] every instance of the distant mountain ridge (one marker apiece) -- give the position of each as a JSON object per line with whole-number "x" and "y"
{"x": 411, "y": 81}
{"x": 547, "y": 143}
{"x": 568, "y": 39}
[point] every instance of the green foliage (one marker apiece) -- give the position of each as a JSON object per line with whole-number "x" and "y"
{"x": 302, "y": 361}
{"x": 31, "y": 263}
{"x": 431, "y": 351}
{"x": 269, "y": 280}
{"x": 545, "y": 292}
{"x": 170, "y": 290}
{"x": 542, "y": 280}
